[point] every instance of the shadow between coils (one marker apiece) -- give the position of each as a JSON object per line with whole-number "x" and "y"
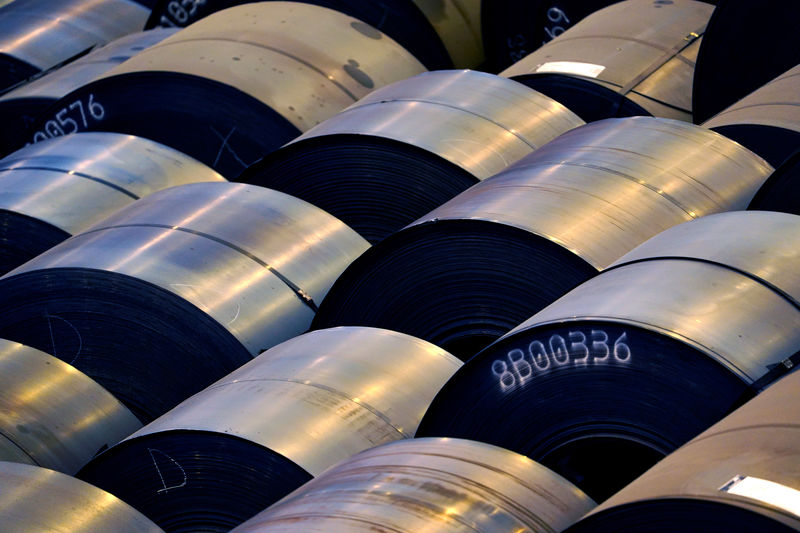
{"x": 781, "y": 191}
{"x": 14, "y": 71}
{"x": 215, "y": 123}
{"x": 772, "y": 143}
{"x": 171, "y": 478}
{"x": 148, "y": 347}
{"x": 39, "y": 236}
{"x": 679, "y": 514}
{"x": 458, "y": 284}
{"x": 401, "y": 20}
{"x": 590, "y": 420}
{"x": 373, "y": 184}
{"x": 16, "y": 116}
{"x": 589, "y": 100}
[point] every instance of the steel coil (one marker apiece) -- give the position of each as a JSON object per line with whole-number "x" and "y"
{"x": 257, "y": 434}
{"x": 766, "y": 121}
{"x": 38, "y": 35}
{"x": 61, "y": 187}
{"x": 37, "y": 499}
{"x": 612, "y": 368}
{"x": 431, "y": 485}
{"x": 739, "y": 475}
{"x": 471, "y": 270}
{"x": 241, "y": 82}
{"x": 399, "y": 19}
{"x": 178, "y": 289}
{"x": 20, "y": 107}
{"x": 746, "y": 44}
{"x": 781, "y": 192}
{"x": 422, "y": 140}
{"x": 52, "y": 415}
{"x": 632, "y": 58}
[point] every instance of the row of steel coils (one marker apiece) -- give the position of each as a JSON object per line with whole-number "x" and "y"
{"x": 513, "y": 314}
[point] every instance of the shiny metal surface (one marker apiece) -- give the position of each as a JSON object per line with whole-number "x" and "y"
{"x": 764, "y": 244}
{"x": 775, "y": 104}
{"x": 431, "y": 485}
{"x": 34, "y": 499}
{"x": 458, "y": 24}
{"x": 73, "y": 182}
{"x": 43, "y": 33}
{"x": 60, "y": 82}
{"x": 478, "y": 121}
{"x": 760, "y": 439}
{"x": 306, "y": 62}
{"x": 55, "y": 415}
{"x": 253, "y": 259}
{"x": 321, "y": 397}
{"x": 604, "y": 188}
{"x": 646, "y": 49}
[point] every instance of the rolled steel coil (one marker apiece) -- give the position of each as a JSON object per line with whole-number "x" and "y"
{"x": 52, "y": 415}
{"x": 431, "y": 485}
{"x": 781, "y": 192}
{"x": 37, "y": 35}
{"x": 20, "y": 107}
{"x": 178, "y": 289}
{"x": 739, "y": 475}
{"x": 239, "y": 83}
{"x": 37, "y": 499}
{"x": 471, "y": 270}
{"x": 401, "y": 20}
{"x": 55, "y": 189}
{"x": 638, "y": 360}
{"x": 766, "y": 121}
{"x": 632, "y": 58}
{"x": 407, "y": 148}
{"x": 747, "y": 43}
{"x": 257, "y": 434}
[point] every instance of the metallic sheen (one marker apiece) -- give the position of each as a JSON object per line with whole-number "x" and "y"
{"x": 56, "y": 416}
{"x": 775, "y": 104}
{"x": 306, "y": 62}
{"x": 34, "y": 499}
{"x": 62, "y": 81}
{"x": 648, "y": 50}
{"x": 321, "y": 397}
{"x": 604, "y": 188}
{"x": 251, "y": 258}
{"x": 76, "y": 181}
{"x": 458, "y": 24}
{"x": 45, "y": 33}
{"x": 477, "y": 121}
{"x": 432, "y": 485}
{"x": 760, "y": 439}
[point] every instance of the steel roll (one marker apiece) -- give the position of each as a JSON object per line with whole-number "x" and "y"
{"x": 178, "y": 289}
{"x": 38, "y": 35}
{"x": 472, "y": 269}
{"x": 55, "y": 189}
{"x": 37, "y": 499}
{"x": 407, "y": 148}
{"x": 241, "y": 82}
{"x": 260, "y": 432}
{"x": 766, "y": 121}
{"x": 695, "y": 320}
{"x": 632, "y": 58}
{"x": 52, "y": 415}
{"x": 781, "y": 191}
{"x": 734, "y": 60}
{"x": 739, "y": 475}
{"x": 20, "y": 107}
{"x": 432, "y": 485}
{"x": 401, "y": 20}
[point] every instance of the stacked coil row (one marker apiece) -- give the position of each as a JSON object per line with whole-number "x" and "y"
{"x": 548, "y": 309}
